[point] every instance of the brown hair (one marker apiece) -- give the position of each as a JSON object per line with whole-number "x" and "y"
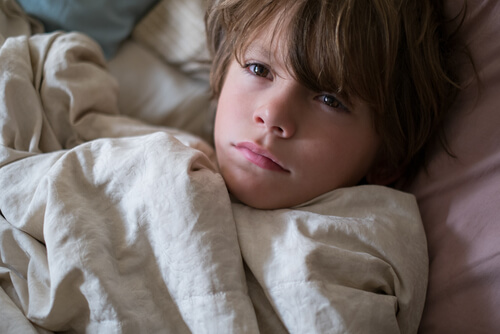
{"x": 392, "y": 54}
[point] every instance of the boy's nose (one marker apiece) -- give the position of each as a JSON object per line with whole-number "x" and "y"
{"x": 277, "y": 118}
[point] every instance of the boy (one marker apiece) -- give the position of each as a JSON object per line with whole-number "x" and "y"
{"x": 319, "y": 95}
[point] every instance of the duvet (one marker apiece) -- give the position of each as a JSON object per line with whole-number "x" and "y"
{"x": 112, "y": 225}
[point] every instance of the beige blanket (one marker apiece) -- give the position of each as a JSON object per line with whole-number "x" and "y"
{"x": 109, "y": 225}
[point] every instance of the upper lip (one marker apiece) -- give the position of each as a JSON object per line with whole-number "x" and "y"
{"x": 261, "y": 151}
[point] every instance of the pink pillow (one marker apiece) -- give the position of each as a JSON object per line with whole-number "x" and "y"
{"x": 460, "y": 198}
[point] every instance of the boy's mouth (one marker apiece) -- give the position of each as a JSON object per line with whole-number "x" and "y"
{"x": 260, "y": 157}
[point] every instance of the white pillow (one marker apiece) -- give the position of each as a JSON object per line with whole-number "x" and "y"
{"x": 175, "y": 30}
{"x": 159, "y": 93}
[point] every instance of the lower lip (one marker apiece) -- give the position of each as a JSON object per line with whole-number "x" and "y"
{"x": 260, "y": 160}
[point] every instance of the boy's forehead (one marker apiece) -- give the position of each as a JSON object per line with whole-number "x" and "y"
{"x": 258, "y": 50}
{"x": 268, "y": 44}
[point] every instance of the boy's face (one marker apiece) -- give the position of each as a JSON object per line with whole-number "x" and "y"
{"x": 280, "y": 144}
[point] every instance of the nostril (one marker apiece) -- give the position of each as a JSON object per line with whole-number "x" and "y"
{"x": 259, "y": 119}
{"x": 273, "y": 124}
{"x": 279, "y": 130}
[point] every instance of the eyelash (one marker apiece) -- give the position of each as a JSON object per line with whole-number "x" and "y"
{"x": 335, "y": 103}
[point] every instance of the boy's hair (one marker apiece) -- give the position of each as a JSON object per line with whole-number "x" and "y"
{"x": 393, "y": 54}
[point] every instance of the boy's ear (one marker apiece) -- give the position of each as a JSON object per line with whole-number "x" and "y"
{"x": 383, "y": 175}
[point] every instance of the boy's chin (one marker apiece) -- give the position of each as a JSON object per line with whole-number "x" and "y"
{"x": 264, "y": 202}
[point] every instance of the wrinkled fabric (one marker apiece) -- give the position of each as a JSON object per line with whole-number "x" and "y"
{"x": 112, "y": 225}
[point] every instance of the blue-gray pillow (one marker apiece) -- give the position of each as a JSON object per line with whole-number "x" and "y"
{"x": 109, "y": 22}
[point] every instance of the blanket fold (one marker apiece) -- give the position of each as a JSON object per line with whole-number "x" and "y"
{"x": 115, "y": 252}
{"x": 333, "y": 261}
{"x": 125, "y": 238}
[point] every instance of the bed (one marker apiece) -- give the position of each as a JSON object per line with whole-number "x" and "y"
{"x": 91, "y": 240}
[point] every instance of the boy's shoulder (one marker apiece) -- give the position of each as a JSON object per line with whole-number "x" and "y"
{"x": 350, "y": 240}
{"x": 363, "y": 201}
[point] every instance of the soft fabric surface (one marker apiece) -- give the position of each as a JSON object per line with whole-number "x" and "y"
{"x": 167, "y": 96}
{"x": 459, "y": 198}
{"x": 14, "y": 21}
{"x": 175, "y": 30}
{"x": 109, "y": 22}
{"x": 112, "y": 225}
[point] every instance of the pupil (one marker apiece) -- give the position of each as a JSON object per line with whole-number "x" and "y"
{"x": 259, "y": 70}
{"x": 330, "y": 101}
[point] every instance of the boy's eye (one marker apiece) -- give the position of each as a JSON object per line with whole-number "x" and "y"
{"x": 259, "y": 70}
{"x": 333, "y": 102}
